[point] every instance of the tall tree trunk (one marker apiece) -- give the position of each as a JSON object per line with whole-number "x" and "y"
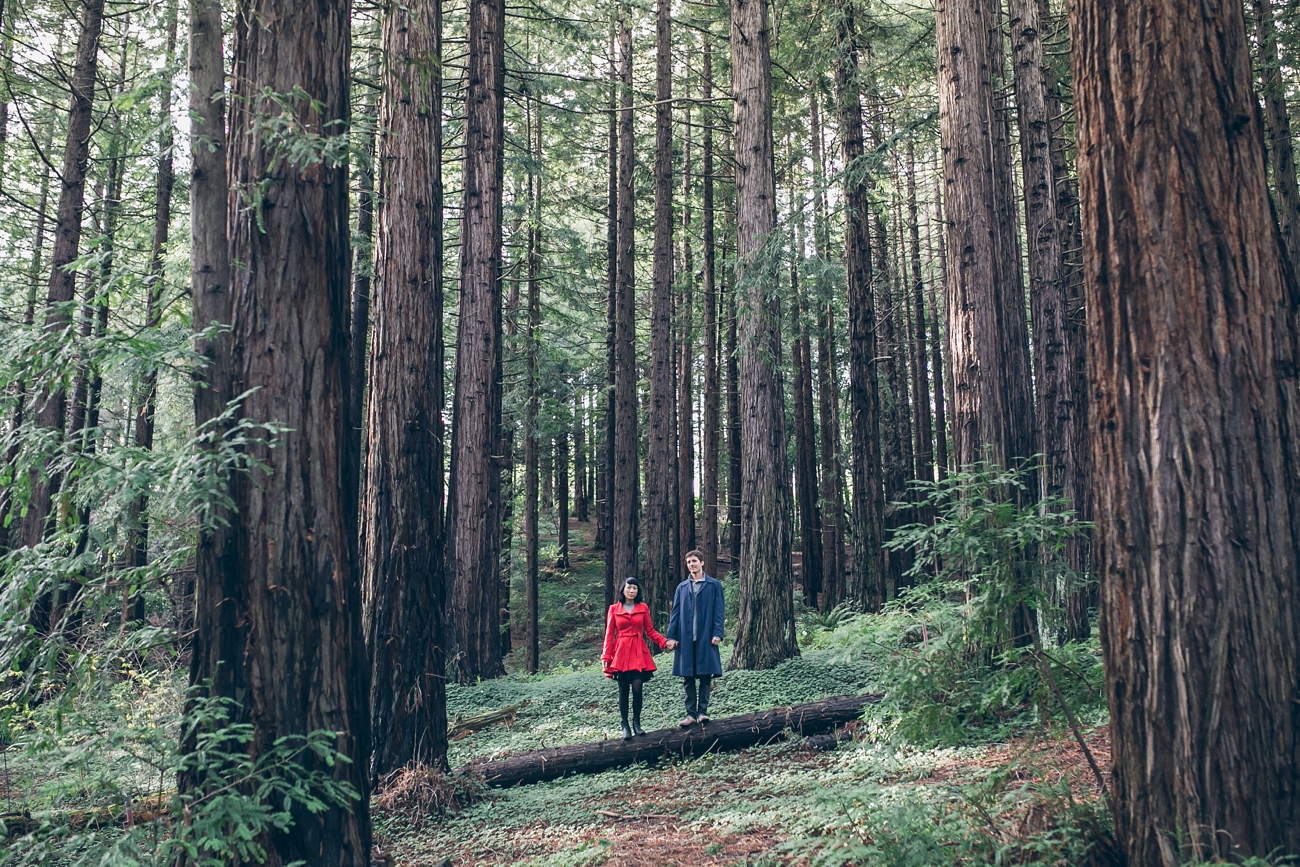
{"x": 709, "y": 434}
{"x": 34, "y": 272}
{"x": 1021, "y": 422}
{"x": 805, "y": 434}
{"x": 562, "y": 500}
{"x": 305, "y": 656}
{"x": 1193, "y": 361}
{"x": 1053, "y": 358}
{"x": 977, "y": 285}
{"x": 605, "y": 527}
{"x": 473, "y": 507}
{"x": 896, "y": 414}
{"x": 220, "y": 627}
{"x": 936, "y": 347}
{"x": 686, "y": 369}
{"x": 868, "y": 589}
{"x": 363, "y": 259}
{"x": 1278, "y": 124}
{"x": 765, "y": 622}
{"x": 660, "y": 480}
{"x": 531, "y": 445}
{"x": 832, "y": 478}
{"x": 51, "y": 404}
{"x": 402, "y": 527}
{"x": 920, "y": 358}
{"x": 623, "y": 495}
{"x": 580, "y": 462}
{"x": 137, "y": 548}
{"x": 733, "y": 421}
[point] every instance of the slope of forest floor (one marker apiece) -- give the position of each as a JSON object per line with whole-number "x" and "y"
{"x": 1030, "y": 798}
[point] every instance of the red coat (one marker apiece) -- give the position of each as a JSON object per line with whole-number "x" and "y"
{"x": 625, "y": 647}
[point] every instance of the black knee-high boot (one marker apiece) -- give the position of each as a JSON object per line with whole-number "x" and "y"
{"x": 622, "y": 708}
{"x": 637, "y": 698}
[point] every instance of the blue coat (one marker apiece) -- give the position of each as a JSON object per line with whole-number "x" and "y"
{"x": 694, "y": 658}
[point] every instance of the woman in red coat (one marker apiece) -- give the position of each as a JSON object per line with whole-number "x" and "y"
{"x": 626, "y": 657}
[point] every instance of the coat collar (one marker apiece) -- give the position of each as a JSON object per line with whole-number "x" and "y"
{"x": 707, "y": 579}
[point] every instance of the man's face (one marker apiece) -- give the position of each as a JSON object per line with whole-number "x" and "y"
{"x": 694, "y": 565}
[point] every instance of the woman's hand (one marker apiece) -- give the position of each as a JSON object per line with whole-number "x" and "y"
{"x": 671, "y": 645}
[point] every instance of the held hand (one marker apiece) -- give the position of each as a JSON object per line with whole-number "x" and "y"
{"x": 671, "y": 645}
{"x": 717, "y": 641}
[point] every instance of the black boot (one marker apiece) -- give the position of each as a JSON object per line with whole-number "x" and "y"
{"x": 627, "y": 732}
{"x": 636, "y": 725}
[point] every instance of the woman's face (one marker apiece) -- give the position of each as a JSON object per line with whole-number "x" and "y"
{"x": 630, "y": 591}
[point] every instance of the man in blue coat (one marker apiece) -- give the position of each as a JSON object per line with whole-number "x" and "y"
{"x": 695, "y": 631}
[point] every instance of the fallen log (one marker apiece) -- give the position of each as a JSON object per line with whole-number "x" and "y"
{"x": 464, "y": 726}
{"x": 719, "y": 735}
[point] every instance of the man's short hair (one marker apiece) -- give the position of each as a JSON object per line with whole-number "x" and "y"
{"x": 694, "y": 553}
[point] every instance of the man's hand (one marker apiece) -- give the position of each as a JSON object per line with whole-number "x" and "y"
{"x": 717, "y": 641}
{"x": 671, "y": 645}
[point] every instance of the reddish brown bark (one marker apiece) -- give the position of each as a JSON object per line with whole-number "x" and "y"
{"x": 624, "y": 497}
{"x": 51, "y": 404}
{"x": 1193, "y": 363}
{"x": 304, "y": 657}
{"x": 709, "y": 490}
{"x": 868, "y": 587}
{"x": 473, "y": 504}
{"x": 402, "y": 528}
{"x": 660, "y": 520}
{"x": 765, "y": 622}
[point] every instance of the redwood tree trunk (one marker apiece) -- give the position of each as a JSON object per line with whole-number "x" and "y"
{"x": 977, "y": 285}
{"x": 686, "y": 368}
{"x": 868, "y": 589}
{"x": 660, "y": 480}
{"x": 832, "y": 475}
{"x": 1053, "y": 355}
{"x": 220, "y": 629}
{"x": 765, "y": 622}
{"x": 51, "y": 405}
{"x": 403, "y": 577}
{"x": 305, "y": 657}
{"x": 623, "y": 496}
{"x": 531, "y": 455}
{"x": 920, "y": 357}
{"x": 709, "y": 491}
{"x": 473, "y": 507}
{"x": 1193, "y": 362}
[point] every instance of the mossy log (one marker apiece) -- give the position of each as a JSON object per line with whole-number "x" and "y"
{"x": 719, "y": 735}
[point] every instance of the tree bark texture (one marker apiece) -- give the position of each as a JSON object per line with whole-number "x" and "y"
{"x": 531, "y": 455}
{"x": 402, "y": 527}
{"x": 924, "y": 448}
{"x": 51, "y": 405}
{"x": 710, "y": 424}
{"x": 806, "y": 494}
{"x": 304, "y": 656}
{"x": 1193, "y": 364}
{"x": 868, "y": 588}
{"x": 983, "y": 420}
{"x": 1053, "y": 355}
{"x": 623, "y": 497}
{"x": 660, "y": 481}
{"x": 473, "y": 508}
{"x": 686, "y": 367}
{"x": 941, "y": 381}
{"x": 833, "y": 589}
{"x": 765, "y": 622}
{"x": 581, "y": 497}
{"x": 220, "y": 629}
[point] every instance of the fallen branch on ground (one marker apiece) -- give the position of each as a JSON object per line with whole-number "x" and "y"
{"x": 719, "y": 735}
{"x": 462, "y": 726}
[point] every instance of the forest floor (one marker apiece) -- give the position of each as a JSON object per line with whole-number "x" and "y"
{"x": 1027, "y": 798}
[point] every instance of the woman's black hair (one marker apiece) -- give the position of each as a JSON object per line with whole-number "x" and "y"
{"x": 626, "y": 581}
